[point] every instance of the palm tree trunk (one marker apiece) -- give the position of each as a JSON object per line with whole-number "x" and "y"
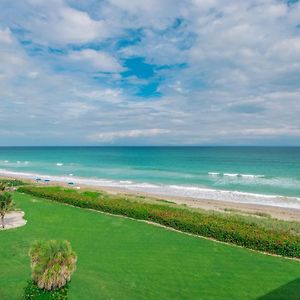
{"x": 2, "y": 221}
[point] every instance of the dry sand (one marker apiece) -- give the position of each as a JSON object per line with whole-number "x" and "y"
{"x": 13, "y": 219}
{"x": 288, "y": 214}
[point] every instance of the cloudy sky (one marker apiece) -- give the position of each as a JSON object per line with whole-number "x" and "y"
{"x": 151, "y": 72}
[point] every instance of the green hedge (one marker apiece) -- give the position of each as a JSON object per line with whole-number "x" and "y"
{"x": 221, "y": 228}
{"x": 13, "y": 182}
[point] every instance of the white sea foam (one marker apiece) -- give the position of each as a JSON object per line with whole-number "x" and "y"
{"x": 194, "y": 192}
{"x": 144, "y": 185}
{"x": 59, "y": 164}
{"x": 126, "y": 181}
{"x": 248, "y": 175}
{"x": 260, "y": 180}
{"x": 231, "y": 175}
{"x": 236, "y": 175}
{"x": 14, "y": 164}
{"x": 252, "y": 176}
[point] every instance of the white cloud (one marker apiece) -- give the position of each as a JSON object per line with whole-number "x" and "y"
{"x": 274, "y": 131}
{"x": 287, "y": 49}
{"x": 239, "y": 81}
{"x": 105, "y": 94}
{"x": 33, "y": 74}
{"x": 5, "y": 36}
{"x": 12, "y": 58}
{"x": 135, "y": 133}
{"x": 97, "y": 60}
{"x": 61, "y": 25}
{"x": 154, "y": 13}
{"x": 73, "y": 110}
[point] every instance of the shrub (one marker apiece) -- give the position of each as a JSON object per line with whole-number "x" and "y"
{"x": 225, "y": 229}
{"x": 33, "y": 292}
{"x": 12, "y": 182}
{"x": 6, "y": 203}
{"x": 52, "y": 263}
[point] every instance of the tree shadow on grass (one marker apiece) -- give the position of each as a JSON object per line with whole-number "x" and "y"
{"x": 289, "y": 291}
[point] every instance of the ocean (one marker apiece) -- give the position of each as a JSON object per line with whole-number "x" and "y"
{"x": 260, "y": 175}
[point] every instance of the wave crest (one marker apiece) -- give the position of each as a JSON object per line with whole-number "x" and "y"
{"x": 194, "y": 192}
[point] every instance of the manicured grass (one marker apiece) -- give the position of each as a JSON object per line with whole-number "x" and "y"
{"x": 219, "y": 227}
{"x": 120, "y": 258}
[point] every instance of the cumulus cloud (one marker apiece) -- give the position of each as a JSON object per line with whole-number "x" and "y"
{"x": 60, "y": 25}
{"x": 97, "y": 60}
{"x": 222, "y": 72}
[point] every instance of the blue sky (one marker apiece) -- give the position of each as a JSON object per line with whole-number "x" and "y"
{"x": 151, "y": 72}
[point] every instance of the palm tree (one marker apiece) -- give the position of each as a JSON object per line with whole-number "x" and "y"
{"x": 6, "y": 203}
{"x": 52, "y": 263}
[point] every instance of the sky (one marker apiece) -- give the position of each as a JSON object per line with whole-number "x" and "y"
{"x": 151, "y": 72}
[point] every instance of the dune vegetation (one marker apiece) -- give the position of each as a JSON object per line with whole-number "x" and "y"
{"x": 216, "y": 226}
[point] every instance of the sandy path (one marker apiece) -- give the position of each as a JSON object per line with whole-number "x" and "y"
{"x": 13, "y": 220}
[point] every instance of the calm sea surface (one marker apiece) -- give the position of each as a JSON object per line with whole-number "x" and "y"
{"x": 269, "y": 175}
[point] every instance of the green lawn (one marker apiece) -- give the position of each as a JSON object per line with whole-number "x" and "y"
{"x": 120, "y": 258}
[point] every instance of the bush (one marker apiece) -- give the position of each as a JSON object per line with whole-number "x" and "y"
{"x": 33, "y": 292}
{"x": 52, "y": 263}
{"x": 12, "y": 182}
{"x": 225, "y": 229}
{"x": 6, "y": 203}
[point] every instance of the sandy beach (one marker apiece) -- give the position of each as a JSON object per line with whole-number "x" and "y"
{"x": 287, "y": 214}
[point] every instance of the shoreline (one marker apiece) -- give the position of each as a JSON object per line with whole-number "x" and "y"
{"x": 166, "y": 190}
{"x": 276, "y": 212}
{"x": 286, "y": 214}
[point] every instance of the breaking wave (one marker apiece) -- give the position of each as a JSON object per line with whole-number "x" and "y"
{"x": 235, "y": 175}
{"x": 195, "y": 192}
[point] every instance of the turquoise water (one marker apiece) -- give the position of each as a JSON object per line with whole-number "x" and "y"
{"x": 183, "y": 170}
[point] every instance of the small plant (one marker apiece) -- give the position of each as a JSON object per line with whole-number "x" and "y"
{"x": 52, "y": 263}
{"x": 33, "y": 292}
{"x": 6, "y": 203}
{"x": 12, "y": 182}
